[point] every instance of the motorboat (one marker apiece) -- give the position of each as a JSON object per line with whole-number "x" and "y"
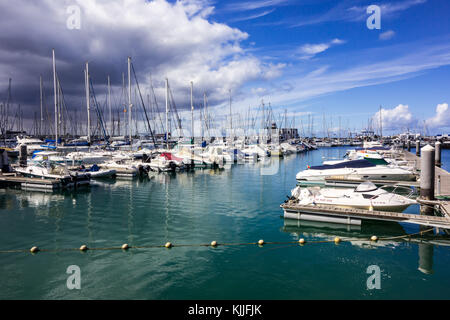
{"x": 365, "y": 196}
{"x": 48, "y": 170}
{"x": 32, "y": 144}
{"x": 354, "y": 169}
{"x": 166, "y": 161}
{"x": 96, "y": 172}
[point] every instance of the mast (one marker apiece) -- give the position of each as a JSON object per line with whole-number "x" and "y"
{"x": 167, "y": 113}
{"x": 192, "y": 111}
{"x": 231, "y": 117}
{"x": 86, "y": 77}
{"x": 381, "y": 124}
{"x": 56, "y": 101}
{"x": 109, "y": 106}
{"x": 129, "y": 97}
{"x": 40, "y": 95}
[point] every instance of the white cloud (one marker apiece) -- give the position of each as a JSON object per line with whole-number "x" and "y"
{"x": 441, "y": 118}
{"x": 387, "y": 35}
{"x": 397, "y": 118}
{"x": 308, "y": 50}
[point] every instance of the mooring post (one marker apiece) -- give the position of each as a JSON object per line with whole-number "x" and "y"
{"x": 438, "y": 153}
{"x": 427, "y": 178}
{"x": 418, "y": 148}
{"x": 426, "y": 251}
{"x": 23, "y": 155}
{"x": 409, "y": 146}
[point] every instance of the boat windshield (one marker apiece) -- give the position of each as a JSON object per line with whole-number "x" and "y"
{"x": 366, "y": 187}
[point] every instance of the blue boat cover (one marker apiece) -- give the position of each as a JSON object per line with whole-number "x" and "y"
{"x": 346, "y": 164}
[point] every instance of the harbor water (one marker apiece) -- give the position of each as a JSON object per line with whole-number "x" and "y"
{"x": 237, "y": 205}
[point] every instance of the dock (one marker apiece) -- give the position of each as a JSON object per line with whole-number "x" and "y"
{"x": 13, "y": 180}
{"x": 354, "y": 216}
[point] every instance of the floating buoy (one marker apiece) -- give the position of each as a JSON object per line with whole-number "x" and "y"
{"x": 168, "y": 245}
{"x": 301, "y": 241}
{"x": 261, "y": 242}
{"x": 374, "y": 238}
{"x": 34, "y": 249}
{"x": 337, "y": 240}
{"x": 214, "y": 244}
{"x": 83, "y": 247}
{"x": 125, "y": 246}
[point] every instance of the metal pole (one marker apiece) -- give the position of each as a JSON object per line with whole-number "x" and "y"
{"x": 109, "y": 105}
{"x": 418, "y": 148}
{"x": 56, "y": 101}
{"x": 88, "y": 101}
{"x": 427, "y": 173}
{"x": 167, "y": 113}
{"x": 42, "y": 117}
{"x": 192, "y": 111}
{"x": 129, "y": 98}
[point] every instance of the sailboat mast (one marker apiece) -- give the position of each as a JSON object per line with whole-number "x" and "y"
{"x": 192, "y": 110}
{"x": 167, "y": 113}
{"x": 40, "y": 95}
{"x": 129, "y": 97}
{"x": 86, "y": 74}
{"x": 109, "y": 106}
{"x": 55, "y": 96}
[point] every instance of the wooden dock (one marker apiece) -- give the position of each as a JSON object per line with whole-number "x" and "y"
{"x": 13, "y": 180}
{"x": 353, "y": 216}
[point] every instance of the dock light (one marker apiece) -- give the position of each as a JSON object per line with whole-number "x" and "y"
{"x": 34, "y": 249}
{"x": 261, "y": 242}
{"x": 214, "y": 244}
{"x": 301, "y": 241}
{"x": 337, "y": 240}
{"x": 168, "y": 245}
{"x": 125, "y": 246}
{"x": 83, "y": 248}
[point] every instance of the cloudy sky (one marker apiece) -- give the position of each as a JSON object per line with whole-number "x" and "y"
{"x": 313, "y": 59}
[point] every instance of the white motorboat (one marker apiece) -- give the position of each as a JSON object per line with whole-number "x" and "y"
{"x": 47, "y": 170}
{"x": 32, "y": 144}
{"x": 355, "y": 169}
{"x": 165, "y": 162}
{"x": 98, "y": 173}
{"x": 364, "y": 196}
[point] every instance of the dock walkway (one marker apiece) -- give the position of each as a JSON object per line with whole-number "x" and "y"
{"x": 442, "y": 181}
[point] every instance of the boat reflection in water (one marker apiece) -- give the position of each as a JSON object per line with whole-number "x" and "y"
{"x": 324, "y": 231}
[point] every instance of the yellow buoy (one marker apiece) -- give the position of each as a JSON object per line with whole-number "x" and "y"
{"x": 337, "y": 240}
{"x": 214, "y": 244}
{"x": 168, "y": 245}
{"x": 301, "y": 241}
{"x": 125, "y": 246}
{"x": 261, "y": 242}
{"x": 374, "y": 238}
{"x": 34, "y": 249}
{"x": 83, "y": 247}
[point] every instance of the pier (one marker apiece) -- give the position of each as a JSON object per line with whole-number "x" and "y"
{"x": 12, "y": 180}
{"x": 354, "y": 216}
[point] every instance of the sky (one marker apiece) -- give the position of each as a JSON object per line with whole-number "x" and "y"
{"x": 317, "y": 61}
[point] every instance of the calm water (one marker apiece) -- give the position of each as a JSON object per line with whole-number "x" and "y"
{"x": 237, "y": 205}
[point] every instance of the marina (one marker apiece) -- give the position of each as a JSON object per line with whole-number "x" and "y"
{"x": 189, "y": 150}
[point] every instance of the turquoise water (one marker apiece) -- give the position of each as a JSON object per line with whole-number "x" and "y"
{"x": 237, "y": 205}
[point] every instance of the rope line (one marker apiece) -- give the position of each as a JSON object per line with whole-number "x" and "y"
{"x": 170, "y": 245}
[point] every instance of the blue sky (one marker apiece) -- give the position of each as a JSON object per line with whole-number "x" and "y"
{"x": 308, "y": 57}
{"x": 416, "y": 33}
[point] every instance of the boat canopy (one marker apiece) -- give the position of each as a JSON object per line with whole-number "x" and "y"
{"x": 366, "y": 187}
{"x": 346, "y": 164}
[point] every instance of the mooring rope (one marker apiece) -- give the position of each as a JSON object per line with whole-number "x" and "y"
{"x": 214, "y": 244}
